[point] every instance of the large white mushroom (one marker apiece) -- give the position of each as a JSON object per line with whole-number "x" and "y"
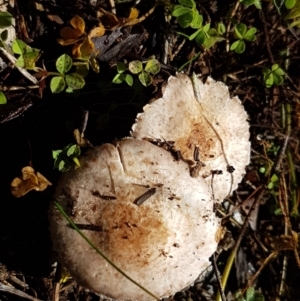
{"x": 208, "y": 127}
{"x": 144, "y": 211}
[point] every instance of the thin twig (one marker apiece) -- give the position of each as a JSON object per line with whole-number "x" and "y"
{"x": 237, "y": 245}
{"x": 14, "y": 291}
{"x": 13, "y": 60}
{"x": 84, "y": 121}
{"x": 266, "y": 36}
{"x": 217, "y": 272}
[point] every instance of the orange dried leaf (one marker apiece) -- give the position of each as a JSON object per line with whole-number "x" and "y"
{"x": 76, "y": 52}
{"x": 78, "y": 23}
{"x": 29, "y": 181}
{"x": 43, "y": 182}
{"x": 70, "y": 33}
{"x": 84, "y": 50}
{"x": 65, "y": 42}
{"x": 134, "y": 13}
{"x": 108, "y": 19}
{"x": 97, "y": 31}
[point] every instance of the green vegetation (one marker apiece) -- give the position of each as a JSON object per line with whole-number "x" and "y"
{"x": 67, "y": 158}
{"x": 242, "y": 33}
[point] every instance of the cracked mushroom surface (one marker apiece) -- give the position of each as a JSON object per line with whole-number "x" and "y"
{"x": 208, "y": 127}
{"x": 144, "y": 211}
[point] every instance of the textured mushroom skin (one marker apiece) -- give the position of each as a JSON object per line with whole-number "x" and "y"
{"x": 164, "y": 243}
{"x": 216, "y": 124}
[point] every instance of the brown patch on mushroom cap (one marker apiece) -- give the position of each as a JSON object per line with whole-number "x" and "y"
{"x": 216, "y": 124}
{"x": 164, "y": 243}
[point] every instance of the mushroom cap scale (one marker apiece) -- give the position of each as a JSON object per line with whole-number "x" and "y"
{"x": 214, "y": 123}
{"x": 164, "y": 243}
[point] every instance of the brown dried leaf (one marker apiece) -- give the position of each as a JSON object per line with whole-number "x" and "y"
{"x": 29, "y": 181}
{"x": 65, "y": 42}
{"x": 84, "y": 49}
{"x": 69, "y": 33}
{"x": 97, "y": 31}
{"x": 134, "y": 13}
{"x": 80, "y": 140}
{"x": 108, "y": 19}
{"x": 112, "y": 22}
{"x": 78, "y": 24}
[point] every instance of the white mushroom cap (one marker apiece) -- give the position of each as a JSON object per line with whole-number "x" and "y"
{"x": 215, "y": 123}
{"x": 163, "y": 243}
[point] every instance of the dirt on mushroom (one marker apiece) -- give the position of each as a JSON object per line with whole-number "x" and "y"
{"x": 214, "y": 125}
{"x": 163, "y": 242}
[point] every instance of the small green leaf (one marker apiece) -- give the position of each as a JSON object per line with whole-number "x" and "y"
{"x": 180, "y": 10}
{"x": 269, "y": 79}
{"x": 118, "y": 79}
{"x": 188, "y": 3}
{"x": 6, "y": 19}
{"x": 294, "y": 12}
{"x": 277, "y": 80}
{"x": 69, "y": 90}
{"x": 75, "y": 81}
{"x": 270, "y": 185}
{"x": 145, "y": 78}
{"x": 197, "y": 20}
{"x": 240, "y": 30}
{"x": 193, "y": 36}
{"x": 221, "y": 29}
{"x": 152, "y": 66}
{"x": 257, "y": 4}
{"x": 250, "y": 293}
{"x": 212, "y": 38}
{"x": 241, "y": 46}
{"x": 121, "y": 67}
{"x": 76, "y": 161}
{"x": 295, "y": 23}
{"x": 3, "y": 99}
{"x": 262, "y": 170}
{"x": 64, "y": 63}
{"x": 206, "y": 27}
{"x": 186, "y": 19}
{"x": 73, "y": 151}
{"x": 290, "y": 3}
{"x": 250, "y": 32}
{"x": 19, "y": 47}
{"x": 20, "y": 61}
{"x": 56, "y": 162}
{"x": 4, "y": 35}
{"x": 30, "y": 57}
{"x": 57, "y": 84}
{"x": 265, "y": 71}
{"x": 234, "y": 45}
{"x": 61, "y": 165}
{"x": 129, "y": 80}
{"x": 200, "y": 37}
{"x": 279, "y": 72}
{"x": 274, "y": 67}
{"x": 55, "y": 153}
{"x": 135, "y": 67}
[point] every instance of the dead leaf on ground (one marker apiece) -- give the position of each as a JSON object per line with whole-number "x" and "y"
{"x": 76, "y": 34}
{"x": 80, "y": 140}
{"x": 111, "y": 21}
{"x": 30, "y": 180}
